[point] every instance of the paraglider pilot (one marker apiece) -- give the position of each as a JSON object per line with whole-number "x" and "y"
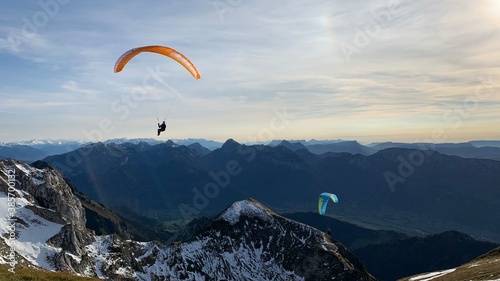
{"x": 162, "y": 127}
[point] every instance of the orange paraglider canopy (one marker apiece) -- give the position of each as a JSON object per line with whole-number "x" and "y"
{"x": 166, "y": 51}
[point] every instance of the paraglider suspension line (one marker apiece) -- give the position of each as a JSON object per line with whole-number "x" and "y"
{"x": 170, "y": 107}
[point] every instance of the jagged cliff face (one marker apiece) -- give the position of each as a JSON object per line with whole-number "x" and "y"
{"x": 246, "y": 241}
{"x": 50, "y": 221}
{"x": 45, "y": 188}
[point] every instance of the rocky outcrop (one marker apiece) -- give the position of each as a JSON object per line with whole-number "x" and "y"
{"x": 72, "y": 239}
{"x": 52, "y": 199}
{"x": 46, "y": 188}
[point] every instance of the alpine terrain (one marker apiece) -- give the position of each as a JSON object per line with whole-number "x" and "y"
{"x": 408, "y": 190}
{"x": 43, "y": 224}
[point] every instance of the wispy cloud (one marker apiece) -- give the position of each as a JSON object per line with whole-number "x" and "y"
{"x": 410, "y": 62}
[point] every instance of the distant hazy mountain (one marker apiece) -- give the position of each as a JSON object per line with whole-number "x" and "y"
{"x": 38, "y": 149}
{"x": 150, "y": 141}
{"x": 304, "y": 142}
{"x": 22, "y": 152}
{"x": 422, "y": 145}
{"x": 485, "y": 152}
{"x": 322, "y": 147}
{"x": 313, "y": 141}
{"x": 481, "y": 143}
{"x": 210, "y": 144}
{"x": 33, "y": 150}
{"x": 466, "y": 150}
{"x": 43, "y": 143}
{"x": 293, "y": 146}
{"x": 199, "y": 148}
{"x": 408, "y": 190}
{"x": 352, "y": 147}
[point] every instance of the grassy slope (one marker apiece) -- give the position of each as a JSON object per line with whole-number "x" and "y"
{"x": 26, "y": 273}
{"x": 485, "y": 267}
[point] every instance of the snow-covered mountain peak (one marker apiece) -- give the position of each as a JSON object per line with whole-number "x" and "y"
{"x": 247, "y": 208}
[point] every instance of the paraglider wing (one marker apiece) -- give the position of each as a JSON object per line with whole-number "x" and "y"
{"x": 166, "y": 51}
{"x": 323, "y": 201}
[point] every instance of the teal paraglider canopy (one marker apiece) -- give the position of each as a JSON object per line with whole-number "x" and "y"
{"x": 323, "y": 201}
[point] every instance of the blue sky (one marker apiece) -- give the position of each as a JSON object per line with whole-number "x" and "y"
{"x": 365, "y": 70}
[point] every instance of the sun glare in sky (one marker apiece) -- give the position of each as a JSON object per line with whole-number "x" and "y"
{"x": 370, "y": 71}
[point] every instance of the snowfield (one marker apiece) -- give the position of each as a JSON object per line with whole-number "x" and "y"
{"x": 32, "y": 232}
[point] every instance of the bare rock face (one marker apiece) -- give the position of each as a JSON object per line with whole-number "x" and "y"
{"x": 52, "y": 199}
{"x": 72, "y": 239}
{"x": 47, "y": 188}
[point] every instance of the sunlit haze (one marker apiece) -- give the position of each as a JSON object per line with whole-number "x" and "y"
{"x": 356, "y": 70}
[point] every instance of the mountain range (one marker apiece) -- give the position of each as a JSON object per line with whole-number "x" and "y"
{"x": 38, "y": 149}
{"x": 408, "y": 190}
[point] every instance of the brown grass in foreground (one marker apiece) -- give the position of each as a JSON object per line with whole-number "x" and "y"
{"x": 28, "y": 274}
{"x": 485, "y": 267}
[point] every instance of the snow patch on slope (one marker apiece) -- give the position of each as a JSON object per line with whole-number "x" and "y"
{"x": 432, "y": 275}
{"x": 99, "y": 251}
{"x": 24, "y": 169}
{"x": 237, "y": 262}
{"x": 32, "y": 232}
{"x": 246, "y": 208}
{"x": 35, "y": 174}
